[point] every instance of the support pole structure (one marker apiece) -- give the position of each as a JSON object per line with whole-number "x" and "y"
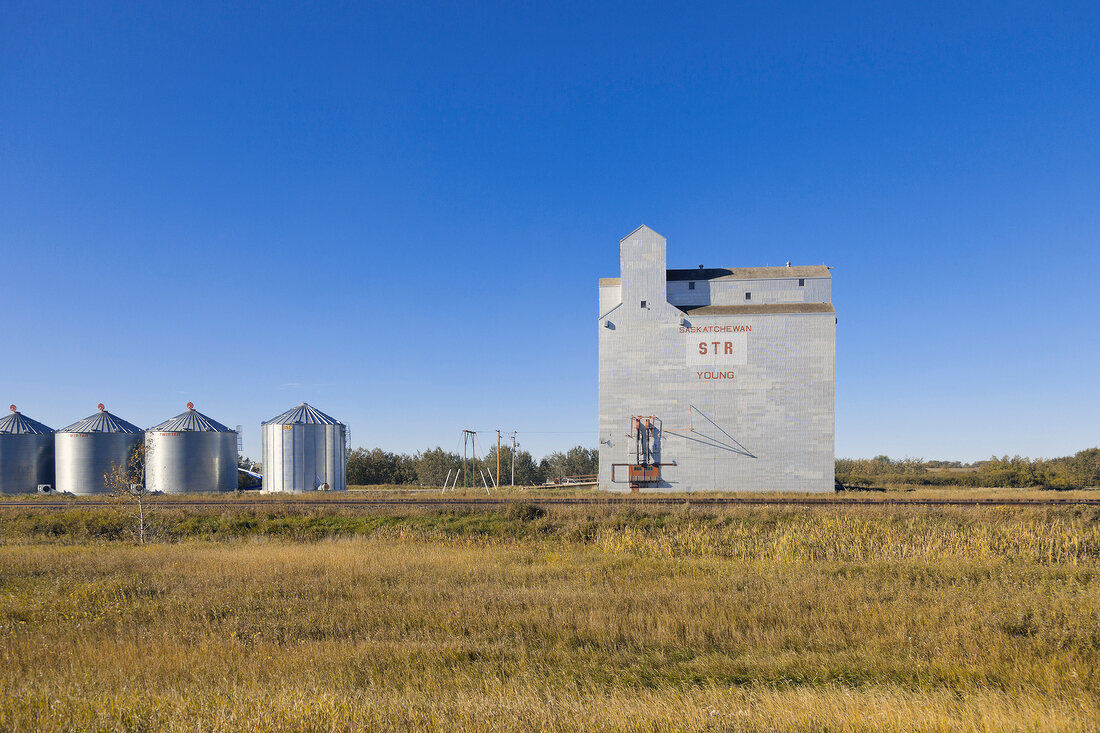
{"x": 469, "y": 438}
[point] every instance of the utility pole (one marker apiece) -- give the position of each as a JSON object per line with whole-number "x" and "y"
{"x": 498, "y": 455}
{"x": 513, "y": 458}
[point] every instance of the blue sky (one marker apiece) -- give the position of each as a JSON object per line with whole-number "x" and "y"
{"x": 398, "y": 212}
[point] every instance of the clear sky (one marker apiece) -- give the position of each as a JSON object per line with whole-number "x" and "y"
{"x": 398, "y": 212}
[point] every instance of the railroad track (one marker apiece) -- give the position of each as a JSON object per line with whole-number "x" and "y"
{"x": 615, "y": 501}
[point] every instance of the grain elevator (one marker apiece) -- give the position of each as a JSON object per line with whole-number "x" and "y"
{"x": 715, "y": 379}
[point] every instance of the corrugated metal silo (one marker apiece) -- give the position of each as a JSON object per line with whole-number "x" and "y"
{"x": 88, "y": 449}
{"x": 304, "y": 449}
{"x": 190, "y": 453}
{"x": 26, "y": 454}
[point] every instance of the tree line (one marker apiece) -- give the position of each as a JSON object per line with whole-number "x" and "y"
{"x": 430, "y": 467}
{"x": 366, "y": 467}
{"x": 1069, "y": 472}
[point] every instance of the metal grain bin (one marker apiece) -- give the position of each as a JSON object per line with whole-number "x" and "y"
{"x": 304, "y": 450}
{"x": 190, "y": 453}
{"x": 26, "y": 454}
{"x": 90, "y": 448}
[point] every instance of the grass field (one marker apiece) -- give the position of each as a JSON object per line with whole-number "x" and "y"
{"x": 520, "y": 618}
{"x": 536, "y": 493}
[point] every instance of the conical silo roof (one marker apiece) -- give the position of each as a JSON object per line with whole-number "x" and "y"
{"x": 19, "y": 424}
{"x": 102, "y": 422}
{"x": 191, "y": 421}
{"x": 303, "y": 414}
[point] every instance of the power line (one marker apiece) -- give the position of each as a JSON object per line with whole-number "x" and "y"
{"x": 546, "y": 432}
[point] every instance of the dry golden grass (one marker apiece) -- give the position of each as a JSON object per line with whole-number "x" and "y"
{"x": 845, "y": 620}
